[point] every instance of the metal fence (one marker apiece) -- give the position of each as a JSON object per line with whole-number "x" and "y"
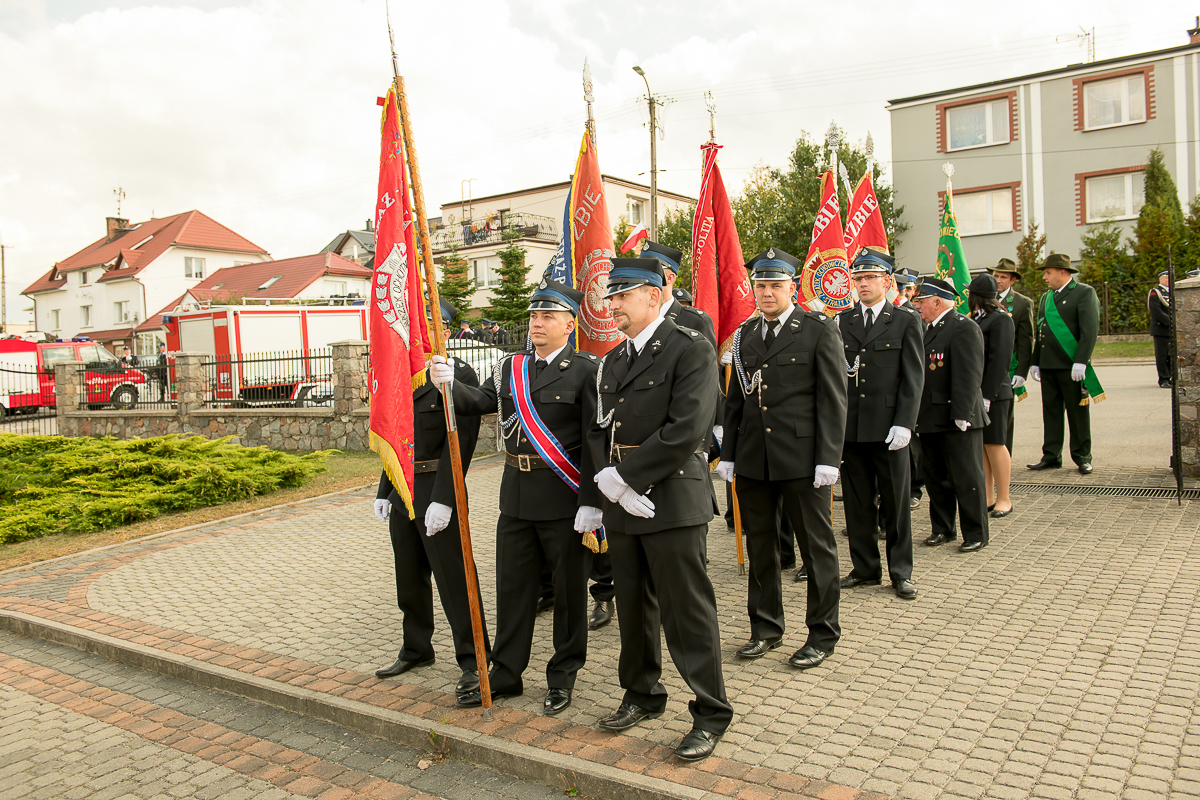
{"x": 109, "y": 386}
{"x": 489, "y": 230}
{"x": 26, "y": 400}
{"x": 293, "y": 379}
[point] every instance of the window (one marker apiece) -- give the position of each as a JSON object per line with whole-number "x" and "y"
{"x": 335, "y": 288}
{"x": 54, "y": 320}
{"x": 635, "y": 210}
{"x": 984, "y": 212}
{"x": 1118, "y": 196}
{"x": 121, "y": 311}
{"x": 483, "y": 272}
{"x": 270, "y": 282}
{"x": 1118, "y": 101}
{"x": 57, "y": 355}
{"x": 978, "y": 125}
{"x": 193, "y": 267}
{"x": 242, "y": 263}
{"x": 84, "y": 278}
{"x": 85, "y": 316}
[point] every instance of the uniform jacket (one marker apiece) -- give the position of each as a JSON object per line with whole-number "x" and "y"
{"x": 998, "y": 338}
{"x": 664, "y": 405}
{"x": 1020, "y": 308}
{"x": 429, "y": 423}
{"x": 887, "y": 390}
{"x": 954, "y": 347}
{"x": 909, "y": 307}
{"x": 802, "y": 420}
{"x": 692, "y": 318}
{"x": 565, "y": 398}
{"x": 1158, "y": 302}
{"x": 1080, "y": 309}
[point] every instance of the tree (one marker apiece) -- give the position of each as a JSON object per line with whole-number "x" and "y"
{"x": 1160, "y": 226}
{"x": 456, "y": 285}
{"x": 1106, "y": 261}
{"x": 675, "y": 230}
{"x": 620, "y": 234}
{"x": 510, "y": 300}
{"x": 1029, "y": 262}
{"x": 1189, "y": 251}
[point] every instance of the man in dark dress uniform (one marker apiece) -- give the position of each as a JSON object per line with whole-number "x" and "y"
{"x": 906, "y": 282}
{"x": 657, "y": 392}
{"x": 952, "y": 418}
{"x": 1159, "y": 303}
{"x": 430, "y": 544}
{"x": 1063, "y": 374}
{"x": 1020, "y": 308}
{"x": 785, "y": 421}
{"x": 547, "y": 496}
{"x": 884, "y": 361}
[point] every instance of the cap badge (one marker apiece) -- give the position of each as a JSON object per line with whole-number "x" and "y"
{"x": 543, "y": 284}
{"x": 771, "y": 253}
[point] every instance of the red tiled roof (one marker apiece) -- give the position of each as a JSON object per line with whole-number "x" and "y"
{"x": 189, "y": 229}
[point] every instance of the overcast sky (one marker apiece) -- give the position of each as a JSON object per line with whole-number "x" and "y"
{"x": 262, "y": 113}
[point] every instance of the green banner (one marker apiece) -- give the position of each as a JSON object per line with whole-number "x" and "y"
{"x": 1070, "y": 344}
{"x": 951, "y": 263}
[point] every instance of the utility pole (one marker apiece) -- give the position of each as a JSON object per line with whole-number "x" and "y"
{"x": 653, "y": 101}
{"x": 3, "y": 291}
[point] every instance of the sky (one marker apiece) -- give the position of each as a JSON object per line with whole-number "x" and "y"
{"x": 262, "y": 113}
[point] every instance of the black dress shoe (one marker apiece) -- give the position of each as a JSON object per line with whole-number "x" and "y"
{"x": 971, "y": 547}
{"x": 837, "y": 498}
{"x": 807, "y": 657}
{"x": 914, "y": 502}
{"x": 400, "y": 667}
{"x": 801, "y": 574}
{"x": 851, "y": 581}
{"x": 602, "y": 614}
{"x": 697, "y": 745}
{"x": 1085, "y": 469}
{"x": 757, "y": 648}
{"x": 474, "y": 698}
{"x": 999, "y": 514}
{"x": 626, "y": 716}
{"x": 937, "y": 539}
{"x": 787, "y": 564}
{"x": 556, "y": 701}
{"x": 469, "y": 682}
{"x": 1044, "y": 464}
{"x": 881, "y": 535}
{"x": 905, "y": 590}
{"x": 1164, "y": 384}
{"x": 545, "y": 604}
{"x": 991, "y": 508}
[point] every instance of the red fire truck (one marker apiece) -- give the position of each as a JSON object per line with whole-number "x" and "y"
{"x": 27, "y": 375}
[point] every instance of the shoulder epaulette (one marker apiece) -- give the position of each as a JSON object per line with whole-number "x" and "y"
{"x": 587, "y": 355}
{"x": 817, "y": 315}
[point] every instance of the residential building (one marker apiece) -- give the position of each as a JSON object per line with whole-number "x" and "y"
{"x": 1065, "y": 148}
{"x": 105, "y": 290}
{"x": 358, "y": 246}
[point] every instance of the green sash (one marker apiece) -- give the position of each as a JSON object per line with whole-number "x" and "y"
{"x": 1070, "y": 344}
{"x": 1021, "y": 392}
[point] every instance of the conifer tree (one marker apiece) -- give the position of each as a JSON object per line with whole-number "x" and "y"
{"x": 510, "y": 300}
{"x": 456, "y": 285}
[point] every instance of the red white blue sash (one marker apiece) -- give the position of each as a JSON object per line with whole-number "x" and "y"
{"x": 548, "y": 447}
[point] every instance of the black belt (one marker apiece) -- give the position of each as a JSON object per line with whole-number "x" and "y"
{"x": 527, "y": 462}
{"x": 425, "y": 466}
{"x": 620, "y": 452}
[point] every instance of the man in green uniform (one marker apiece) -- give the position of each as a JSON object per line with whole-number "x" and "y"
{"x": 1020, "y": 308}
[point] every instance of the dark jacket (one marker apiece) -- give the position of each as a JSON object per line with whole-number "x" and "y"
{"x": 998, "y": 337}
{"x": 429, "y": 444}
{"x": 1158, "y": 302}
{"x": 802, "y": 418}
{"x": 1020, "y": 308}
{"x": 564, "y": 396}
{"x": 1080, "y": 310}
{"x": 887, "y": 390}
{"x": 954, "y": 350}
{"x": 664, "y": 407}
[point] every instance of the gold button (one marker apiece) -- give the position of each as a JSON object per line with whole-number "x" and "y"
{"x": 680, "y": 472}
{"x": 768, "y": 430}
{"x": 862, "y": 395}
{"x": 617, "y": 424}
{"x": 557, "y": 397}
{"x": 764, "y": 386}
{"x": 622, "y": 400}
{"x": 765, "y": 365}
{"x": 863, "y": 350}
{"x": 764, "y": 408}
{"x": 651, "y": 383}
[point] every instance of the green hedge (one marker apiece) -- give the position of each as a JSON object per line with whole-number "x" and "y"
{"x": 52, "y": 484}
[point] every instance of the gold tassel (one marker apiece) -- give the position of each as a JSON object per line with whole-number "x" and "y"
{"x": 1100, "y": 397}
{"x": 395, "y": 473}
{"x": 589, "y": 541}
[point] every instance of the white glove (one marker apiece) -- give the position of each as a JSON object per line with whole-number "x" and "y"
{"x": 1078, "y": 371}
{"x": 383, "y": 509}
{"x": 898, "y": 438}
{"x": 588, "y": 518}
{"x": 725, "y": 471}
{"x": 611, "y": 484}
{"x": 824, "y": 476}
{"x": 437, "y": 517}
{"x": 727, "y": 358}
{"x": 987, "y": 404}
{"x": 719, "y": 434}
{"x": 962, "y": 424}
{"x": 1017, "y": 382}
{"x": 441, "y": 372}
{"x": 636, "y": 504}
{"x": 1036, "y": 373}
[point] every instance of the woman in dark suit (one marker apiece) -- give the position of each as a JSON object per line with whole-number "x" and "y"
{"x": 999, "y": 334}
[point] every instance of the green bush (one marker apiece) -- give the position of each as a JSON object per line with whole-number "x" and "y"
{"x": 52, "y": 484}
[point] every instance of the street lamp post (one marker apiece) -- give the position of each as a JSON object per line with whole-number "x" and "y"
{"x": 653, "y": 227}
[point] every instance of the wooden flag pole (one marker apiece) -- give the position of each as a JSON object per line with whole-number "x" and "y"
{"x": 439, "y": 348}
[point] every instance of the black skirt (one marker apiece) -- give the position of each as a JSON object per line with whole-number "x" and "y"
{"x": 996, "y": 431}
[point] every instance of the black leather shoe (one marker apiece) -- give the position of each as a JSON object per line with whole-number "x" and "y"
{"x": 914, "y": 502}
{"x": 801, "y": 574}
{"x": 1044, "y": 464}
{"x": 400, "y": 667}
{"x": 1085, "y": 469}
{"x": 757, "y": 648}
{"x": 1000, "y": 514}
{"x": 556, "y": 701}
{"x": 787, "y": 564}
{"x": 697, "y": 745}
{"x": 850, "y": 581}
{"x": 837, "y": 498}
{"x": 602, "y": 614}
{"x": 474, "y": 698}
{"x": 937, "y": 539}
{"x": 807, "y": 657}
{"x": 469, "y": 682}
{"x": 545, "y": 604}
{"x": 971, "y": 547}
{"x": 627, "y": 716}
{"x": 905, "y": 590}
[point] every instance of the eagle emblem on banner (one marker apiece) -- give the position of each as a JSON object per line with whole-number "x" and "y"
{"x": 391, "y": 279}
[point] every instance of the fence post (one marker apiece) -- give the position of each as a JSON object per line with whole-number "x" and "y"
{"x": 70, "y": 393}
{"x": 349, "y": 376}
{"x": 189, "y": 383}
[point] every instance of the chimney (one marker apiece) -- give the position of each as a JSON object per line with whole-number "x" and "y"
{"x": 116, "y": 226}
{"x": 370, "y": 223}
{"x": 1194, "y": 33}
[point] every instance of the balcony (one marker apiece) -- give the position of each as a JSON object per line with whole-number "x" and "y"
{"x": 488, "y": 230}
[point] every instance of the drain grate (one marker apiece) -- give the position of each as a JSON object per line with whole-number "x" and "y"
{"x": 1102, "y": 491}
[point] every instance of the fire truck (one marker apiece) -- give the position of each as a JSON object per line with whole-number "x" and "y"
{"x": 27, "y": 375}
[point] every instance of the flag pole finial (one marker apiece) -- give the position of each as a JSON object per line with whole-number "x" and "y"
{"x": 587, "y": 98}
{"x": 870, "y": 149}
{"x": 712, "y": 116}
{"x": 948, "y": 168}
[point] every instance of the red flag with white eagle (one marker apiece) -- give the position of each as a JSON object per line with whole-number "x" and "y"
{"x": 399, "y": 336}
{"x": 825, "y": 278}
{"x": 864, "y": 226}
{"x": 592, "y": 247}
{"x": 720, "y": 287}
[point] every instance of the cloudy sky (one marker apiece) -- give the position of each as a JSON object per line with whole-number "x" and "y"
{"x": 262, "y": 114}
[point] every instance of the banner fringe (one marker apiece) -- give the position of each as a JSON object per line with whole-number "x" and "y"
{"x": 395, "y": 473}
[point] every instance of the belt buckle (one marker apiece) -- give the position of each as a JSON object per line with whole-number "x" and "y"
{"x": 523, "y": 462}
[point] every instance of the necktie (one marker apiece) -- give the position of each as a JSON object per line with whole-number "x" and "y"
{"x": 538, "y": 366}
{"x": 632, "y": 353}
{"x": 870, "y": 319}
{"x": 770, "y": 338}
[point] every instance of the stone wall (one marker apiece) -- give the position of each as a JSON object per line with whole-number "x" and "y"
{"x": 1187, "y": 298}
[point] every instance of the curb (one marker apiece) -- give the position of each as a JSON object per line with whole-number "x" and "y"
{"x": 511, "y": 758}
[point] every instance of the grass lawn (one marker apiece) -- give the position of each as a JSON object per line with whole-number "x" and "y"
{"x": 1123, "y": 350}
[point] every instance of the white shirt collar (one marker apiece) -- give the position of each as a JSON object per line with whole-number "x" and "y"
{"x": 875, "y": 309}
{"x": 639, "y": 341}
{"x": 662, "y": 312}
{"x": 939, "y": 317}
{"x": 550, "y": 358}
{"x": 1004, "y": 294}
{"x": 779, "y": 321}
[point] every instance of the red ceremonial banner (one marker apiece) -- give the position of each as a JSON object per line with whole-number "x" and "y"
{"x": 720, "y": 287}
{"x": 864, "y": 227}
{"x": 825, "y": 278}
{"x": 593, "y": 247}
{"x": 399, "y": 335}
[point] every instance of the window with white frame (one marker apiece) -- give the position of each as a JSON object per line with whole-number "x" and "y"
{"x": 54, "y": 320}
{"x": 1115, "y": 196}
{"x": 635, "y": 210}
{"x": 267, "y": 284}
{"x": 484, "y": 273}
{"x": 335, "y": 288}
{"x": 121, "y": 311}
{"x": 979, "y": 124}
{"x": 1119, "y": 101}
{"x": 85, "y": 278}
{"x": 85, "y": 316}
{"x": 984, "y": 212}
{"x": 193, "y": 267}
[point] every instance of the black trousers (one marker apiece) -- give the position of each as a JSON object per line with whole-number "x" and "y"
{"x": 662, "y": 584}
{"x": 915, "y": 471}
{"x": 602, "y": 589}
{"x": 1162, "y": 357}
{"x": 954, "y": 480}
{"x": 869, "y": 468}
{"x": 810, "y": 510}
{"x": 417, "y": 556}
{"x": 523, "y": 547}
{"x": 1061, "y": 394}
